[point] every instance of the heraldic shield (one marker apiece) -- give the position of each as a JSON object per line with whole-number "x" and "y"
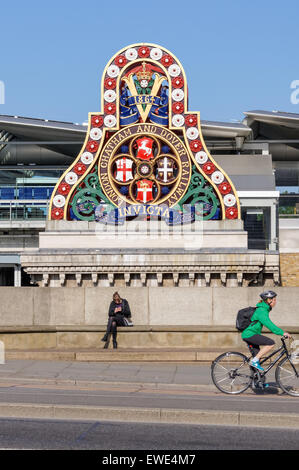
{"x": 144, "y": 147}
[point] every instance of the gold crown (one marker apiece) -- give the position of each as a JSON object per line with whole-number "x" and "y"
{"x": 144, "y": 74}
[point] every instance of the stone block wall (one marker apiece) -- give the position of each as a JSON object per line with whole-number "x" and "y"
{"x": 65, "y": 318}
{"x": 289, "y": 269}
{"x": 151, "y": 307}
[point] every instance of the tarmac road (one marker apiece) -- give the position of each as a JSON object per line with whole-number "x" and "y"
{"x": 161, "y": 393}
{"x": 89, "y": 435}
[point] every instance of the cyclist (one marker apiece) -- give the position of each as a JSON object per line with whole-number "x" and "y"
{"x": 252, "y": 334}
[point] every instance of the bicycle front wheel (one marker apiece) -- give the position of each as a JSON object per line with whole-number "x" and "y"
{"x": 231, "y": 373}
{"x": 287, "y": 377}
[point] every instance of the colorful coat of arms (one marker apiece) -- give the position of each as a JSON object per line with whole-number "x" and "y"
{"x": 165, "y": 169}
{"x": 144, "y": 146}
{"x": 144, "y": 191}
{"x": 123, "y": 169}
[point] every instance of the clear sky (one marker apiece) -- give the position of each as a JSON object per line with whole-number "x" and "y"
{"x": 238, "y": 55}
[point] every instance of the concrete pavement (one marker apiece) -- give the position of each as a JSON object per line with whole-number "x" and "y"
{"x": 186, "y": 375}
{"x": 147, "y": 392}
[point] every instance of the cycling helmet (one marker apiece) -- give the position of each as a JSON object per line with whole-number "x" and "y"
{"x": 269, "y": 294}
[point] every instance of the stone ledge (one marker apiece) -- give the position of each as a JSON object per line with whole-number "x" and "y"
{"x": 158, "y": 339}
{"x": 134, "y": 329}
{"x": 124, "y": 355}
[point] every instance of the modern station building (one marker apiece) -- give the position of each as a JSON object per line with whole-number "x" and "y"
{"x": 260, "y": 154}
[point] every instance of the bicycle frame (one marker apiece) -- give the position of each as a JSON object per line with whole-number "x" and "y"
{"x": 284, "y": 351}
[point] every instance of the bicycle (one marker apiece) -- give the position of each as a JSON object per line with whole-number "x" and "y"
{"x": 232, "y": 374}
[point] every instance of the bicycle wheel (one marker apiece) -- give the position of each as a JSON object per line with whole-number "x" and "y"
{"x": 231, "y": 373}
{"x": 287, "y": 377}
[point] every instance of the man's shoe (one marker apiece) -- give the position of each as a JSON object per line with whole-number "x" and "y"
{"x": 256, "y": 365}
{"x": 114, "y": 345}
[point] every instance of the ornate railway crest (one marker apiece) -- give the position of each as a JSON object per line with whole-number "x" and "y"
{"x": 144, "y": 148}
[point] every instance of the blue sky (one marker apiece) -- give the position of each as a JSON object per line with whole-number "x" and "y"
{"x": 237, "y": 55}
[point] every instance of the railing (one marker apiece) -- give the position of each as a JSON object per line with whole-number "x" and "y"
{"x": 23, "y": 209}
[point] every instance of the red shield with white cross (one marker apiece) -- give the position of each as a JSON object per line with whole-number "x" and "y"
{"x": 145, "y": 148}
{"x": 144, "y": 191}
{"x": 123, "y": 170}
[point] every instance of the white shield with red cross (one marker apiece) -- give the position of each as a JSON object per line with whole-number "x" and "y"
{"x": 124, "y": 170}
{"x": 165, "y": 169}
{"x": 145, "y": 148}
{"x": 144, "y": 191}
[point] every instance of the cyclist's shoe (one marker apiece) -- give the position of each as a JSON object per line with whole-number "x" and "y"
{"x": 266, "y": 385}
{"x": 256, "y": 364}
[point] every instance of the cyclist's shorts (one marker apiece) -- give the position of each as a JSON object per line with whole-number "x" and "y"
{"x": 258, "y": 340}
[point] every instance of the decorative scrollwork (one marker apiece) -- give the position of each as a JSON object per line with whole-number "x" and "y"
{"x": 87, "y": 197}
{"x": 201, "y": 195}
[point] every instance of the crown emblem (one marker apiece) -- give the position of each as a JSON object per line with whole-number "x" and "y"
{"x": 144, "y": 73}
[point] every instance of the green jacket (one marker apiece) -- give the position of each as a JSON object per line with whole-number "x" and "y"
{"x": 261, "y": 314}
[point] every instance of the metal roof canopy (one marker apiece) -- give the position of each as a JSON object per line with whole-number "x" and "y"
{"x": 39, "y": 129}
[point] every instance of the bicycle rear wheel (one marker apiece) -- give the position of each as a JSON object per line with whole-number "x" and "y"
{"x": 287, "y": 377}
{"x": 231, "y": 373}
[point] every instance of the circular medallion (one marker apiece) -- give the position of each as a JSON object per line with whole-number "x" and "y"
{"x": 80, "y": 168}
{"x": 144, "y": 169}
{"x": 191, "y": 120}
{"x": 174, "y": 70}
{"x": 131, "y": 54}
{"x": 110, "y": 108}
{"x": 95, "y": 133}
{"x": 178, "y": 108}
{"x": 208, "y": 168}
{"x": 92, "y": 146}
{"x": 195, "y": 145}
{"x": 156, "y": 53}
{"x": 120, "y": 61}
{"x": 229, "y": 200}
{"x": 177, "y": 94}
{"x": 192, "y": 133}
{"x": 167, "y": 60}
{"x": 97, "y": 121}
{"x": 178, "y": 120}
{"x": 225, "y": 188}
{"x": 217, "y": 177}
{"x": 64, "y": 188}
{"x": 110, "y": 121}
{"x": 87, "y": 158}
{"x": 71, "y": 177}
{"x": 110, "y": 96}
{"x": 201, "y": 157}
{"x": 59, "y": 201}
{"x": 231, "y": 213}
{"x": 177, "y": 82}
{"x": 113, "y": 71}
{"x": 143, "y": 51}
{"x": 143, "y": 83}
{"x": 155, "y": 170}
{"x": 110, "y": 83}
{"x": 57, "y": 214}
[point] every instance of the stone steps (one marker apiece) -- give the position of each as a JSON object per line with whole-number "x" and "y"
{"x": 119, "y": 355}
